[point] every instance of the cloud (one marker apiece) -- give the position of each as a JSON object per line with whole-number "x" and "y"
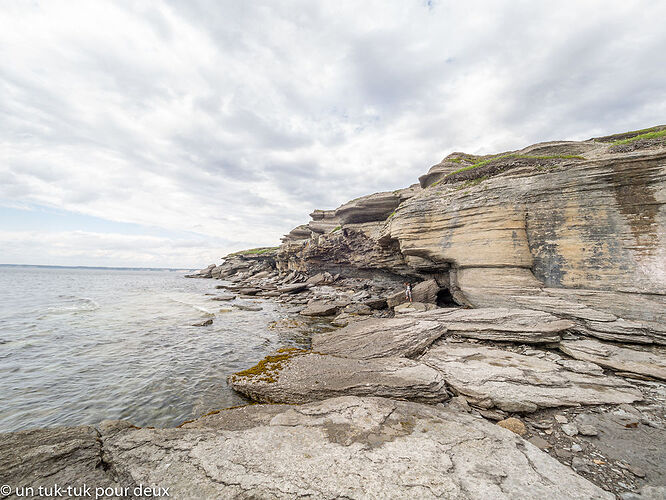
{"x": 233, "y": 120}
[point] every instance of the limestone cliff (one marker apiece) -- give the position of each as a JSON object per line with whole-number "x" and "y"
{"x": 573, "y": 228}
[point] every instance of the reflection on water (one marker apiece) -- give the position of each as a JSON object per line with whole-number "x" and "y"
{"x": 80, "y": 346}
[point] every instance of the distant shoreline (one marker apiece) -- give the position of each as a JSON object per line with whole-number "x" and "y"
{"x": 43, "y": 266}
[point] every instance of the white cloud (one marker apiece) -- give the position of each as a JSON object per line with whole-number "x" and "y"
{"x": 235, "y": 119}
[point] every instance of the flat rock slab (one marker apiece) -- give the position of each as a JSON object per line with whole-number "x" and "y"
{"x": 502, "y": 324}
{"x": 380, "y": 448}
{"x": 300, "y": 377}
{"x": 410, "y": 307}
{"x": 321, "y": 308}
{"x": 377, "y": 338}
{"x": 490, "y": 377}
{"x": 645, "y": 361}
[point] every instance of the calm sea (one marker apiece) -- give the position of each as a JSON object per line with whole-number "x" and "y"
{"x": 78, "y": 346}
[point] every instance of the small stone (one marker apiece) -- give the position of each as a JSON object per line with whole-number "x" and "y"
{"x": 207, "y": 322}
{"x": 576, "y": 448}
{"x": 580, "y": 465}
{"x": 561, "y": 419}
{"x": 514, "y": 425}
{"x": 569, "y": 429}
{"x": 539, "y": 442}
{"x": 628, "y": 495}
{"x": 587, "y": 430}
{"x": 542, "y": 424}
{"x": 562, "y": 453}
{"x": 548, "y": 431}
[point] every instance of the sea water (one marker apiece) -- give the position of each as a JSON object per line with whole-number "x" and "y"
{"x": 78, "y": 346}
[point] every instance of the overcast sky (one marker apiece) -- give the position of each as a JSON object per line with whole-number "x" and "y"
{"x": 169, "y": 133}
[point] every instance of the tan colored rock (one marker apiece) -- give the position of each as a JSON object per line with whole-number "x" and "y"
{"x": 413, "y": 307}
{"x": 645, "y": 361}
{"x": 514, "y": 425}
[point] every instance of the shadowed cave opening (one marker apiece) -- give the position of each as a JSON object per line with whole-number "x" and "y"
{"x": 445, "y": 299}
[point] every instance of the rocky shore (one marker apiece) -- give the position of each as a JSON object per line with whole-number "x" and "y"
{"x": 530, "y": 364}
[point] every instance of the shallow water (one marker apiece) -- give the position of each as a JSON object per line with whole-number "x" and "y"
{"x": 78, "y": 346}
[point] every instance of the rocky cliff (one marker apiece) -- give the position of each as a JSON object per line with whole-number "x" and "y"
{"x": 573, "y": 228}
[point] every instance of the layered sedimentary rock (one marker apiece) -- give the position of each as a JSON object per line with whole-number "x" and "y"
{"x": 295, "y": 377}
{"x": 577, "y": 229}
{"x": 381, "y": 449}
{"x": 646, "y": 361}
{"x": 490, "y": 377}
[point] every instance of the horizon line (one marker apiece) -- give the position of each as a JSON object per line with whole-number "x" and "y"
{"x": 119, "y": 268}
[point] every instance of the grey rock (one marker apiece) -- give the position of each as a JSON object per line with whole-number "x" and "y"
{"x": 490, "y": 377}
{"x": 580, "y": 366}
{"x": 224, "y": 298}
{"x": 299, "y": 377}
{"x": 376, "y": 338}
{"x": 502, "y": 324}
{"x": 244, "y": 307}
{"x": 576, "y": 448}
{"x": 321, "y": 308}
{"x": 293, "y": 288}
{"x": 645, "y": 361}
{"x": 206, "y": 322}
{"x": 62, "y": 455}
{"x": 587, "y": 430}
{"x": 249, "y": 291}
{"x": 539, "y": 442}
{"x": 569, "y": 429}
{"x": 561, "y": 419}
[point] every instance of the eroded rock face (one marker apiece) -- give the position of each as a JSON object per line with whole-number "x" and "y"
{"x": 649, "y": 362}
{"x": 577, "y": 229}
{"x": 305, "y": 377}
{"x": 490, "y": 377}
{"x": 276, "y": 451}
{"x": 377, "y": 338}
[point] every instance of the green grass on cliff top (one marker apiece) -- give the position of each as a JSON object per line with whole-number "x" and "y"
{"x": 255, "y": 251}
{"x": 512, "y": 155}
{"x": 647, "y": 135}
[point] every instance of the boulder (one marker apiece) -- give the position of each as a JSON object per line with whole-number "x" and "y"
{"x": 402, "y": 450}
{"x": 293, "y": 376}
{"x": 377, "y": 338}
{"x": 646, "y": 361}
{"x": 375, "y": 303}
{"x": 317, "y": 279}
{"x": 249, "y": 291}
{"x": 425, "y": 292}
{"x": 490, "y": 377}
{"x": 321, "y": 308}
{"x": 502, "y": 324}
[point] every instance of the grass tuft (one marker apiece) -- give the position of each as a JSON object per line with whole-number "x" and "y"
{"x": 647, "y": 135}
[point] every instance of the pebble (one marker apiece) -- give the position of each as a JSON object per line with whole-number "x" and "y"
{"x": 514, "y": 425}
{"x": 580, "y": 465}
{"x": 576, "y": 448}
{"x": 561, "y": 419}
{"x": 569, "y": 429}
{"x": 636, "y": 471}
